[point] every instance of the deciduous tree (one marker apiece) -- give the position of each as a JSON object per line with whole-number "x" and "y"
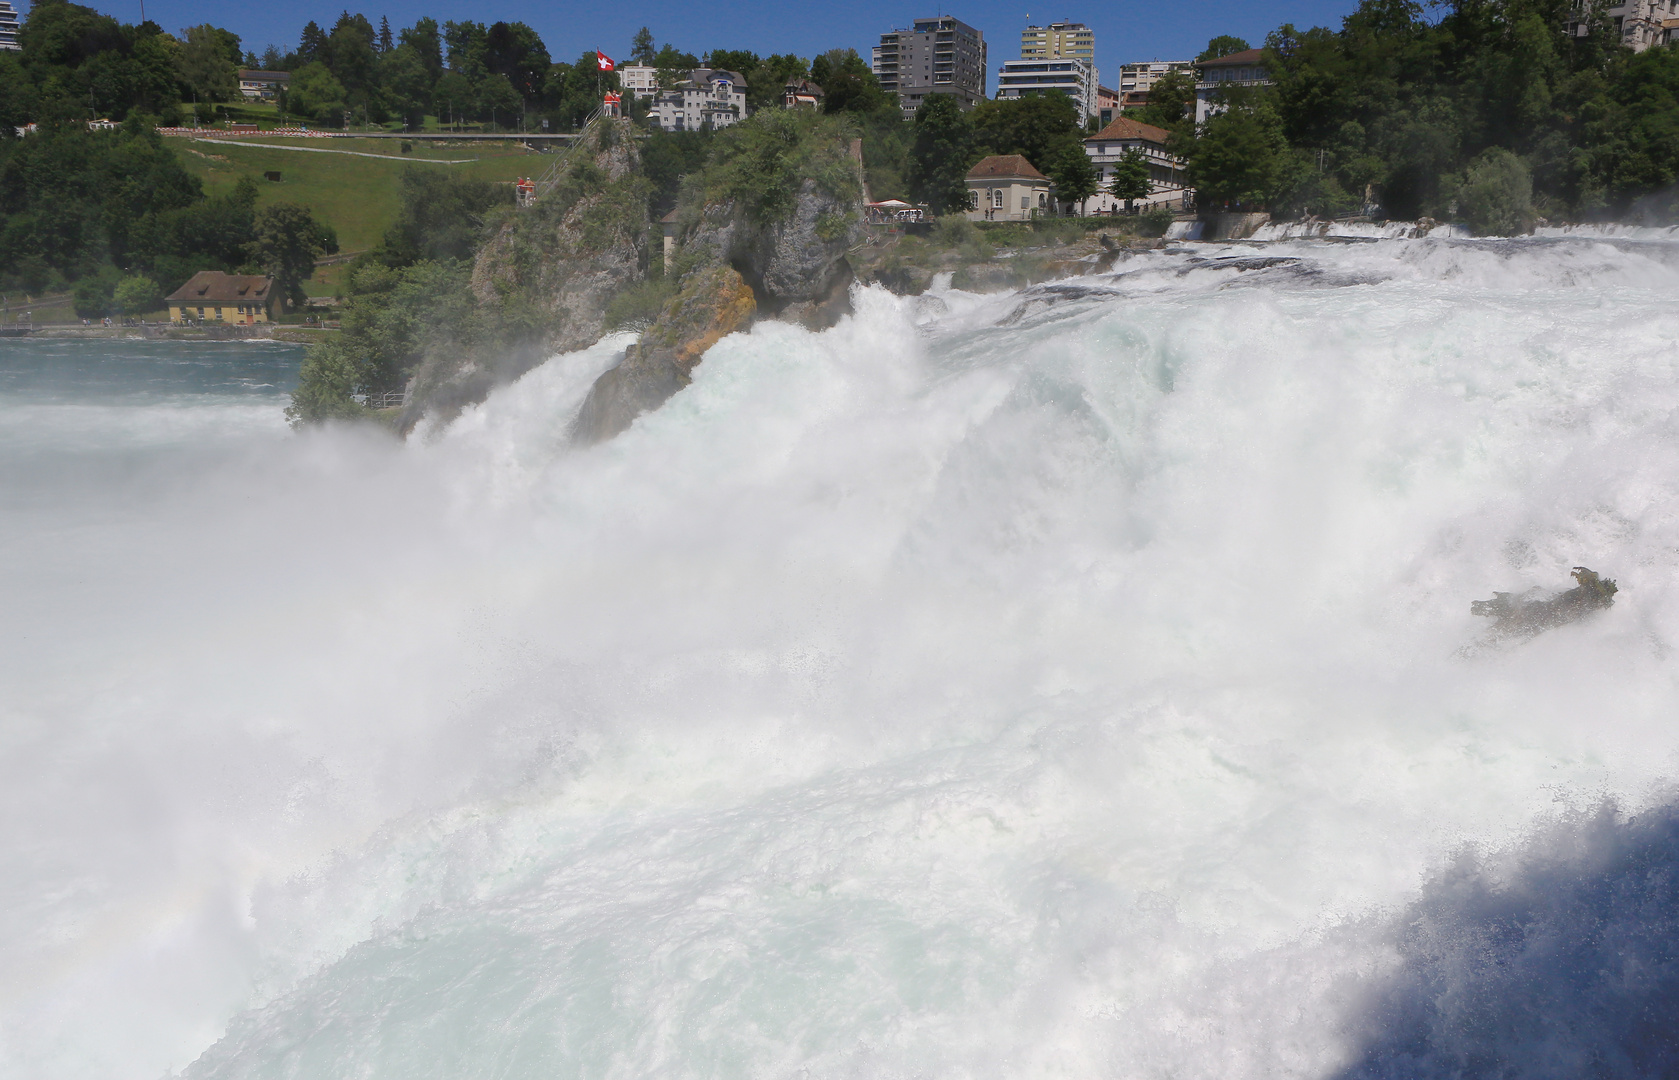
{"x": 285, "y": 243}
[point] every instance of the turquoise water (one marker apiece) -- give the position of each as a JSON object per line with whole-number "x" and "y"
{"x": 105, "y": 372}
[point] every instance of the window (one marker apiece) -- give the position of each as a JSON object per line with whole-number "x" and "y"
{"x": 218, "y": 313}
{"x": 973, "y": 200}
{"x": 996, "y": 198}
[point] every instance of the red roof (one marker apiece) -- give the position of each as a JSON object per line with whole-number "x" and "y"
{"x": 1122, "y": 128}
{"x": 997, "y": 166}
{"x": 1235, "y": 59}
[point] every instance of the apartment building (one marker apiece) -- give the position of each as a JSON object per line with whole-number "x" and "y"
{"x": 1057, "y": 40}
{"x": 1136, "y": 80}
{"x": 1107, "y": 105}
{"x": 1060, "y": 56}
{"x": 642, "y": 80}
{"x": 706, "y": 98}
{"x": 938, "y": 55}
{"x": 1074, "y": 77}
{"x": 1639, "y": 24}
{"x": 1239, "y": 69}
{"x": 8, "y": 26}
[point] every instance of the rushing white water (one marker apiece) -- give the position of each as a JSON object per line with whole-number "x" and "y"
{"x": 1069, "y": 684}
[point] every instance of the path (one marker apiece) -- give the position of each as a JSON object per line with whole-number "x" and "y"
{"x": 352, "y": 153}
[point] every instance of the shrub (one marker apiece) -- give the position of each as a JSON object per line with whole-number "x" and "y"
{"x": 1495, "y": 196}
{"x": 1156, "y": 221}
{"x": 637, "y": 306}
{"x": 137, "y": 295}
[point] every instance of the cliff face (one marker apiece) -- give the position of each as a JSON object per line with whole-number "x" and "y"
{"x": 550, "y": 270}
{"x": 796, "y": 264}
{"x": 745, "y": 254}
{"x": 713, "y": 302}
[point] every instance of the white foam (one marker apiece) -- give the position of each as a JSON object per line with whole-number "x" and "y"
{"x": 1037, "y": 696}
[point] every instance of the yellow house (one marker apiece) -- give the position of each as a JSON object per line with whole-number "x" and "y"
{"x": 1005, "y": 187}
{"x": 214, "y": 297}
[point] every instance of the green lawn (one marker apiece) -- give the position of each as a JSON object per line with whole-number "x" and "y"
{"x": 356, "y": 195}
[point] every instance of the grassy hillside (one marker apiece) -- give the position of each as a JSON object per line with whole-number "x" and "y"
{"x": 357, "y": 195}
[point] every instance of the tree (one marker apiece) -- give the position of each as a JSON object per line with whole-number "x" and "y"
{"x": 385, "y": 42}
{"x": 205, "y": 65}
{"x": 516, "y": 51}
{"x": 136, "y": 295}
{"x": 1241, "y": 156}
{"x": 453, "y": 96}
{"x": 351, "y": 56}
{"x": 423, "y": 38}
{"x": 407, "y": 84}
{"x": 848, "y": 85}
{"x": 498, "y": 98}
{"x": 1495, "y": 197}
{"x": 641, "y": 49}
{"x": 441, "y": 217}
{"x": 1038, "y": 127}
{"x": 464, "y": 46}
{"x": 286, "y": 242}
{"x": 316, "y": 93}
{"x": 1171, "y": 103}
{"x": 1073, "y": 174}
{"x": 1222, "y": 46}
{"x": 1131, "y": 179}
{"x": 311, "y": 46}
{"x": 941, "y": 155}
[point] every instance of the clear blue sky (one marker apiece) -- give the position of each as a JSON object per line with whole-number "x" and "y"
{"x": 1126, "y": 30}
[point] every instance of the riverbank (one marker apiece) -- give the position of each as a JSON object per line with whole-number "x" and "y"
{"x": 301, "y": 335}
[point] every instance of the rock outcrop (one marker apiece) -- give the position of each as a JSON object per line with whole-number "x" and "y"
{"x": 1524, "y": 616}
{"x": 551, "y": 270}
{"x": 741, "y": 264}
{"x": 712, "y": 303}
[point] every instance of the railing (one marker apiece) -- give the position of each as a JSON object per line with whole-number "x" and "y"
{"x": 548, "y": 179}
{"x": 390, "y": 399}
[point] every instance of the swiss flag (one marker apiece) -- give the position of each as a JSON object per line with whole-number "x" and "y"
{"x": 604, "y": 61}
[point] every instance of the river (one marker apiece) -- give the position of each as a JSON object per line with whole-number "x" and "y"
{"x": 1073, "y": 683}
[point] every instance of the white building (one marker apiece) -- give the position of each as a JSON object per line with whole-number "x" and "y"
{"x": 642, "y": 80}
{"x": 1060, "y": 56}
{"x": 1239, "y": 69}
{"x": 262, "y": 85}
{"x": 1005, "y": 187}
{"x": 1074, "y": 77}
{"x": 8, "y": 26}
{"x": 1107, "y": 147}
{"x": 705, "y": 99}
{"x": 1638, "y": 24}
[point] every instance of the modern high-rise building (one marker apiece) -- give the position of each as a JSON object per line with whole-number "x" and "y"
{"x": 8, "y": 26}
{"x": 1057, "y": 40}
{"x": 1060, "y": 56}
{"x": 940, "y": 55}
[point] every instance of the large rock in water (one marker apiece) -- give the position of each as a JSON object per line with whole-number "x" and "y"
{"x": 793, "y": 268}
{"x": 560, "y": 263}
{"x": 713, "y": 302}
{"x": 796, "y": 266}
